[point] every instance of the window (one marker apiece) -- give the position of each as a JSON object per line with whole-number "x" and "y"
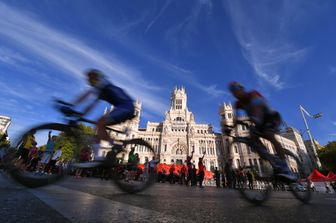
{"x": 229, "y": 115}
{"x": 250, "y": 162}
{"x": 236, "y": 149}
{"x": 165, "y": 148}
{"x": 238, "y": 163}
{"x": 178, "y": 152}
{"x": 255, "y": 163}
{"x": 178, "y": 104}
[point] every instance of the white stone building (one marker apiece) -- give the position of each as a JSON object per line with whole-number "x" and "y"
{"x": 178, "y": 135}
{"x": 5, "y": 121}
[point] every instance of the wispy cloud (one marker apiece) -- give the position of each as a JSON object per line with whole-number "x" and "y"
{"x": 263, "y": 35}
{"x": 11, "y": 57}
{"x": 189, "y": 77}
{"x": 162, "y": 10}
{"x": 72, "y": 55}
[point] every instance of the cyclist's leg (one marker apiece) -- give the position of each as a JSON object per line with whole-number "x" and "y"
{"x": 270, "y": 136}
{"x": 118, "y": 115}
{"x": 278, "y": 162}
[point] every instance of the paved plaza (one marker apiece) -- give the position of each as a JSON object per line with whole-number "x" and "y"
{"x": 94, "y": 200}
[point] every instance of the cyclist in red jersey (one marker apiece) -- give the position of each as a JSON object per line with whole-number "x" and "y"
{"x": 266, "y": 121}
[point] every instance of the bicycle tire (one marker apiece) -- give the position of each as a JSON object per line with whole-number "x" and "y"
{"x": 28, "y": 179}
{"x": 119, "y": 175}
{"x": 260, "y": 194}
{"x": 304, "y": 194}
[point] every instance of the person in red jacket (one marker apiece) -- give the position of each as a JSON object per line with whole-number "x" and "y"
{"x": 201, "y": 169}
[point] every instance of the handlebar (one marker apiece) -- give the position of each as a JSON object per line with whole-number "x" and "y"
{"x": 63, "y": 103}
{"x": 66, "y": 109}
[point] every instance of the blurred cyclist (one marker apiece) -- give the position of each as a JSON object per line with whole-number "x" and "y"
{"x": 266, "y": 121}
{"x": 102, "y": 89}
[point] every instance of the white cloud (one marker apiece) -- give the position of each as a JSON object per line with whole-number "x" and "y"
{"x": 73, "y": 56}
{"x": 263, "y": 35}
{"x": 189, "y": 77}
{"x": 11, "y": 57}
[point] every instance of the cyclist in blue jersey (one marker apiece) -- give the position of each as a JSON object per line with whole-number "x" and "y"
{"x": 104, "y": 90}
{"x": 266, "y": 124}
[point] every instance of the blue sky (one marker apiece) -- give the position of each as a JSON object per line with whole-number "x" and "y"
{"x": 284, "y": 49}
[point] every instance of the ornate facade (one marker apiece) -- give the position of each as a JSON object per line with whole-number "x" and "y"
{"x": 178, "y": 135}
{"x": 4, "y": 123}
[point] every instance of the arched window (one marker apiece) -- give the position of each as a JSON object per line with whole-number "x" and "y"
{"x": 212, "y": 165}
{"x": 238, "y": 163}
{"x": 179, "y": 152}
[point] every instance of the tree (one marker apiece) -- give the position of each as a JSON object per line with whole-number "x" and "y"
{"x": 4, "y": 142}
{"x": 71, "y": 145}
{"x": 327, "y": 156}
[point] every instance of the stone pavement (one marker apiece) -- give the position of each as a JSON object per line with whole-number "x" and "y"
{"x": 93, "y": 200}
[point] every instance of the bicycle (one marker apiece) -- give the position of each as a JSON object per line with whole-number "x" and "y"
{"x": 268, "y": 178}
{"x": 73, "y": 136}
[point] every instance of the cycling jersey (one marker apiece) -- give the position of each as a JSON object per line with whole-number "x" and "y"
{"x": 108, "y": 92}
{"x": 270, "y": 118}
{"x": 123, "y": 104}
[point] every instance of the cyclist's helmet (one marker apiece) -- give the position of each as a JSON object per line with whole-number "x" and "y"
{"x": 94, "y": 76}
{"x": 234, "y": 86}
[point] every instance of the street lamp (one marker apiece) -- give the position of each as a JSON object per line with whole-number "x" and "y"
{"x": 315, "y": 116}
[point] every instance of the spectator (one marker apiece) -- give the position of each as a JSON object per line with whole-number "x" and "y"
{"x": 189, "y": 168}
{"x": 171, "y": 174}
{"x": 28, "y": 143}
{"x": 33, "y": 157}
{"x": 84, "y": 156}
{"x": 55, "y": 157}
{"x": 48, "y": 152}
{"x": 194, "y": 176}
{"x": 250, "y": 179}
{"x": 146, "y": 167}
{"x": 230, "y": 175}
{"x": 217, "y": 177}
{"x": 201, "y": 169}
{"x": 153, "y": 166}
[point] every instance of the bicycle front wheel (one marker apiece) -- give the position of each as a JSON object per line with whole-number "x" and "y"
{"x": 131, "y": 172}
{"x": 301, "y": 187}
{"x": 41, "y": 154}
{"x": 253, "y": 179}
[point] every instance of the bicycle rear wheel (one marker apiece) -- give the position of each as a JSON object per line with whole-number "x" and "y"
{"x": 300, "y": 188}
{"x": 130, "y": 172}
{"x": 37, "y": 160}
{"x": 254, "y": 182}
